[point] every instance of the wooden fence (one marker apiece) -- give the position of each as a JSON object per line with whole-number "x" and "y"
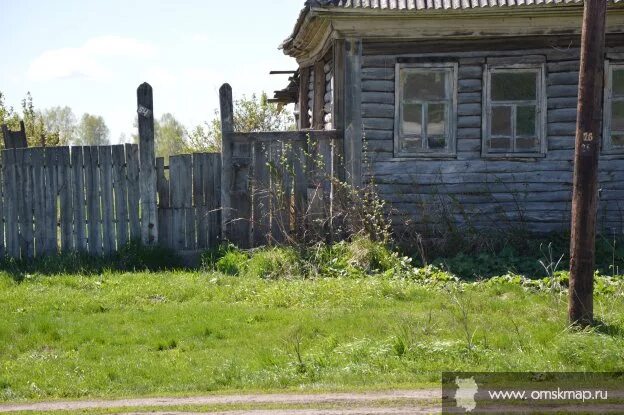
{"x": 61, "y": 199}
{"x": 279, "y": 183}
{"x": 189, "y": 201}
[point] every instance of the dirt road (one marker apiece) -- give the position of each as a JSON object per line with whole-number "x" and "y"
{"x": 388, "y": 403}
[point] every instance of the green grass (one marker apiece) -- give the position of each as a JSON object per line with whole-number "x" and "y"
{"x": 375, "y": 324}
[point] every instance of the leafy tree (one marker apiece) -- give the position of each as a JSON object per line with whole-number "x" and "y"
{"x": 36, "y": 133}
{"x": 250, "y": 115}
{"x": 170, "y": 136}
{"x": 60, "y": 124}
{"x": 92, "y": 131}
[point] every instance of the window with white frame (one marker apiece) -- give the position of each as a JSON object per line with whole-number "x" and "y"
{"x": 614, "y": 109}
{"x": 425, "y": 109}
{"x": 514, "y": 116}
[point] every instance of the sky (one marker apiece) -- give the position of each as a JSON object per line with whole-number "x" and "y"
{"x": 91, "y": 55}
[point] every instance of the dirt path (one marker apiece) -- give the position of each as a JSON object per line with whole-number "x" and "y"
{"x": 418, "y": 402}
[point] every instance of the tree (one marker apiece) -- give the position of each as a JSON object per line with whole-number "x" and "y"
{"x": 36, "y": 133}
{"x": 170, "y": 136}
{"x": 92, "y": 131}
{"x": 60, "y": 124}
{"x": 250, "y": 115}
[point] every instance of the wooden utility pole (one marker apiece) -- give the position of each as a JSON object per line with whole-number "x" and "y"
{"x": 588, "y": 133}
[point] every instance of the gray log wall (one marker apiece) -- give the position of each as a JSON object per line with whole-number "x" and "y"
{"x": 467, "y": 188}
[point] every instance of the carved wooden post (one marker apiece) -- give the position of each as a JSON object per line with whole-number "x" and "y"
{"x": 147, "y": 158}
{"x": 227, "y": 126}
{"x": 585, "y": 198}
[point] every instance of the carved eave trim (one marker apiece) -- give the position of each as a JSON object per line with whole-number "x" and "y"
{"x": 318, "y": 26}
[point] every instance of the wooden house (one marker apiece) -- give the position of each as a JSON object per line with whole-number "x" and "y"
{"x": 460, "y": 109}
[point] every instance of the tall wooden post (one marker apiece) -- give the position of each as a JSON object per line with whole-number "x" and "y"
{"x": 227, "y": 126}
{"x": 585, "y": 198}
{"x": 147, "y": 159}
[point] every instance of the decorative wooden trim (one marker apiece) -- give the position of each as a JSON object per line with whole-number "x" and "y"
{"x": 318, "y": 114}
{"x": 542, "y": 111}
{"x": 607, "y": 144}
{"x": 452, "y": 135}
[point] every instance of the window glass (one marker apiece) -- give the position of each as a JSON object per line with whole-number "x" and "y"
{"x": 436, "y": 119}
{"x": 514, "y": 86}
{"x": 525, "y": 124}
{"x": 412, "y": 119}
{"x": 425, "y": 85}
{"x": 618, "y": 82}
{"x": 501, "y": 121}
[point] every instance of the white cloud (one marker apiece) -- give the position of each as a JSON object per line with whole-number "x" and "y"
{"x": 87, "y": 61}
{"x": 159, "y": 77}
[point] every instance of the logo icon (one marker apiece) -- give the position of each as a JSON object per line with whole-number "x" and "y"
{"x": 465, "y": 396}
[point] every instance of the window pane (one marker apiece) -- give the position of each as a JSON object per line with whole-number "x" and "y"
{"x": 514, "y": 86}
{"x": 617, "y": 139}
{"x": 618, "y": 82}
{"x": 437, "y": 119}
{"x": 526, "y": 144}
{"x": 525, "y": 121}
{"x": 500, "y": 145}
{"x": 437, "y": 143}
{"x": 617, "y": 116}
{"x": 411, "y": 145}
{"x": 412, "y": 119}
{"x": 425, "y": 85}
{"x": 501, "y": 121}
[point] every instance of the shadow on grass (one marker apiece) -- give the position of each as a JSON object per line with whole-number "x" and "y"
{"x": 608, "y": 329}
{"x": 133, "y": 257}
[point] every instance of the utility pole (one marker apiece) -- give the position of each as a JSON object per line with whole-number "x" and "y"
{"x": 588, "y": 133}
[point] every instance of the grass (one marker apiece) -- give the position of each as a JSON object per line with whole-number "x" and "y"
{"x": 349, "y": 317}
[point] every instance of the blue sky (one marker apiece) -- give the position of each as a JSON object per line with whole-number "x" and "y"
{"x": 92, "y": 54}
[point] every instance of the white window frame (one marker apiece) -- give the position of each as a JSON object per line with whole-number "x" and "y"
{"x": 607, "y": 144}
{"x": 451, "y": 150}
{"x": 540, "y": 103}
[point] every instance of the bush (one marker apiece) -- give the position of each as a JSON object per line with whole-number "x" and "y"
{"x": 273, "y": 263}
{"x": 233, "y": 262}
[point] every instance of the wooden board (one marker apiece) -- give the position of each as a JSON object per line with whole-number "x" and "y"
{"x": 199, "y": 201}
{"x": 132, "y": 167}
{"x": 92, "y": 191}
{"x": 108, "y": 207}
{"x": 23, "y": 181}
{"x": 37, "y": 159}
{"x": 120, "y": 186}
{"x": 51, "y": 202}
{"x": 65, "y": 199}
{"x": 12, "y": 228}
{"x": 78, "y": 199}
{"x": 261, "y": 200}
{"x": 212, "y": 183}
{"x": 164, "y": 205}
{"x": 178, "y": 220}
{"x": 2, "y": 210}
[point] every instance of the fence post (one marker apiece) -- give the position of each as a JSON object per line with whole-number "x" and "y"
{"x": 147, "y": 159}
{"x": 227, "y": 126}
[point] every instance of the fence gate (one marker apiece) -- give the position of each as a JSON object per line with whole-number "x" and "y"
{"x": 189, "y": 201}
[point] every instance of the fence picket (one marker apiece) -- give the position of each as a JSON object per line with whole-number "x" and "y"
{"x": 65, "y": 199}
{"x": 132, "y": 167}
{"x": 12, "y": 230}
{"x": 300, "y": 186}
{"x": 212, "y": 181}
{"x": 24, "y": 202}
{"x": 37, "y": 159}
{"x": 120, "y": 186}
{"x": 3, "y": 195}
{"x": 178, "y": 222}
{"x": 51, "y": 201}
{"x": 108, "y": 209}
{"x": 186, "y": 185}
{"x": 78, "y": 202}
{"x": 199, "y": 201}
{"x": 164, "y": 205}
{"x": 92, "y": 191}
{"x": 261, "y": 199}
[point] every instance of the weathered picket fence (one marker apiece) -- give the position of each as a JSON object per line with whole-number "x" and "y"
{"x": 69, "y": 198}
{"x": 263, "y": 188}
{"x": 279, "y": 182}
{"x": 189, "y": 201}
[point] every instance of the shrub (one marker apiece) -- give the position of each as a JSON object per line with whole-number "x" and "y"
{"x": 273, "y": 263}
{"x": 233, "y": 262}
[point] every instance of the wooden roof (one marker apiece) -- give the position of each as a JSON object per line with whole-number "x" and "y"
{"x": 436, "y": 4}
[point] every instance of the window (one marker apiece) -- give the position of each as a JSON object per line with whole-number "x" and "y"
{"x": 514, "y": 117}
{"x": 425, "y": 110}
{"x": 614, "y": 109}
